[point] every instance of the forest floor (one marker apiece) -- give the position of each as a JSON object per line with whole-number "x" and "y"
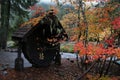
{"x": 67, "y": 71}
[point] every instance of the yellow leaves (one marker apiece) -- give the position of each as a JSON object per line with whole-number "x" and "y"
{"x": 94, "y": 30}
{"x": 70, "y": 24}
{"x": 69, "y": 19}
{"x": 98, "y": 19}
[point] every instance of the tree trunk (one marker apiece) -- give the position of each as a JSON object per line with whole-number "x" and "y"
{"x": 5, "y": 8}
{"x": 0, "y": 24}
{"x": 0, "y": 14}
{"x": 119, "y": 40}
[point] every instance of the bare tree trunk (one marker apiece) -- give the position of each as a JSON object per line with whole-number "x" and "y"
{"x": 5, "y": 8}
{"x": 0, "y": 24}
{"x": 0, "y": 14}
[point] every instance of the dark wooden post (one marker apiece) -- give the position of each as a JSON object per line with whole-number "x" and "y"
{"x": 19, "y": 63}
{"x": 58, "y": 56}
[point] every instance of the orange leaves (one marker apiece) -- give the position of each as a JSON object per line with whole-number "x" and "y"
{"x": 96, "y": 51}
{"x": 99, "y": 50}
{"x": 110, "y": 51}
{"x": 117, "y": 51}
{"x": 78, "y": 46}
{"x": 38, "y": 13}
{"x": 33, "y": 21}
{"x": 103, "y": 19}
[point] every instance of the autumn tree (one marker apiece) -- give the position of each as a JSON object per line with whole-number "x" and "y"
{"x": 115, "y": 20}
{"x": 69, "y": 22}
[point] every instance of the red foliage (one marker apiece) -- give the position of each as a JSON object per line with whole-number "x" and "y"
{"x": 110, "y": 41}
{"x": 37, "y": 10}
{"x": 96, "y": 51}
{"x": 110, "y": 51}
{"x": 78, "y": 46}
{"x": 116, "y": 23}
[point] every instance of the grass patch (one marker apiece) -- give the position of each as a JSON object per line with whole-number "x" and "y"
{"x": 67, "y": 47}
